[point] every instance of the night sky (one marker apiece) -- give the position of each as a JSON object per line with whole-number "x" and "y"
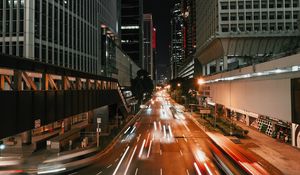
{"x": 160, "y": 10}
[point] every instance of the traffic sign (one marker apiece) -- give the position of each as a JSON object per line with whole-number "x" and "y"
{"x": 205, "y": 111}
{"x": 98, "y": 120}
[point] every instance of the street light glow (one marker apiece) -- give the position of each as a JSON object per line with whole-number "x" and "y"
{"x": 178, "y": 84}
{"x": 201, "y": 81}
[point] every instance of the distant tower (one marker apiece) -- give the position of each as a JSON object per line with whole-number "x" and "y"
{"x": 148, "y": 61}
{"x": 132, "y": 37}
{"x": 177, "y": 51}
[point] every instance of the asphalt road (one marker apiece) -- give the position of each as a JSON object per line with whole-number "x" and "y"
{"x": 163, "y": 141}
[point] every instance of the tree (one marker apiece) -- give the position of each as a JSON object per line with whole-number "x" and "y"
{"x": 142, "y": 84}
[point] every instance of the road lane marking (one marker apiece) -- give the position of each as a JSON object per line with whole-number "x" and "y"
{"x": 160, "y": 152}
{"x": 149, "y": 149}
{"x": 184, "y": 138}
{"x": 186, "y": 127}
{"x": 187, "y": 172}
{"x": 130, "y": 160}
{"x": 181, "y": 153}
{"x": 99, "y": 173}
{"x": 161, "y": 172}
{"x": 138, "y": 138}
{"x": 121, "y": 161}
{"x": 73, "y": 173}
{"x": 142, "y": 147}
{"x": 136, "y": 171}
{"x": 109, "y": 166}
{"x": 177, "y": 140}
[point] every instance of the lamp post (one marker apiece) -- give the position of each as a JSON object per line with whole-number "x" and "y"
{"x": 2, "y": 147}
{"x": 200, "y": 83}
{"x": 98, "y": 131}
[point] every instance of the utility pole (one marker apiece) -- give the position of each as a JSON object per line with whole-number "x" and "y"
{"x": 98, "y": 131}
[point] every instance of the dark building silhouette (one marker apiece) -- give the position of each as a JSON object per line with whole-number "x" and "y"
{"x": 132, "y": 29}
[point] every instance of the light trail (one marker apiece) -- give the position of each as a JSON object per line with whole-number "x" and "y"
{"x": 170, "y": 130}
{"x": 118, "y": 166}
{"x": 208, "y": 170}
{"x": 130, "y": 160}
{"x": 141, "y": 150}
{"x": 186, "y": 127}
{"x": 197, "y": 169}
{"x": 149, "y": 149}
{"x": 127, "y": 130}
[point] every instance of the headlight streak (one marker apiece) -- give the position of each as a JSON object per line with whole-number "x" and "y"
{"x": 130, "y": 160}
{"x": 118, "y": 166}
{"x": 142, "y": 147}
{"x": 133, "y": 129}
{"x": 127, "y": 130}
{"x": 207, "y": 168}
{"x": 51, "y": 171}
{"x": 149, "y": 148}
{"x": 197, "y": 168}
{"x": 170, "y": 130}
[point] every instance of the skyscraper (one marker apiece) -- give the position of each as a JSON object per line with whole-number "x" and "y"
{"x": 177, "y": 39}
{"x": 132, "y": 29}
{"x": 148, "y": 63}
{"x": 190, "y": 66}
{"x": 189, "y": 14}
{"x": 65, "y": 33}
{"x": 231, "y": 34}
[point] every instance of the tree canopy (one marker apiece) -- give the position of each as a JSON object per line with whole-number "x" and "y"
{"x": 142, "y": 84}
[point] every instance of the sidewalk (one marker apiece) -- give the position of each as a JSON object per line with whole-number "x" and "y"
{"x": 285, "y": 157}
{"x": 275, "y": 155}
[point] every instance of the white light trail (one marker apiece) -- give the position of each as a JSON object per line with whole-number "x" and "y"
{"x": 149, "y": 149}
{"x": 159, "y": 125}
{"x": 132, "y": 130}
{"x": 184, "y": 138}
{"x": 209, "y": 172}
{"x": 118, "y": 166}
{"x": 130, "y": 160}
{"x": 155, "y": 127}
{"x": 127, "y": 130}
{"x": 51, "y": 171}
{"x": 170, "y": 130}
{"x": 197, "y": 168}
{"x": 141, "y": 150}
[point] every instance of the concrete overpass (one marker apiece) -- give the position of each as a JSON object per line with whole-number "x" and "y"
{"x": 33, "y": 92}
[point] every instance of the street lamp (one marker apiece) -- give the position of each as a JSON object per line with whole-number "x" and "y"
{"x": 201, "y": 81}
{"x": 2, "y": 147}
{"x": 98, "y": 130}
